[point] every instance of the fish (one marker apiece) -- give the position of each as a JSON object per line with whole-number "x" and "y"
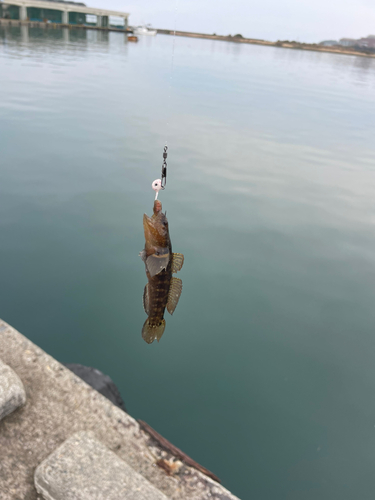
{"x": 163, "y": 290}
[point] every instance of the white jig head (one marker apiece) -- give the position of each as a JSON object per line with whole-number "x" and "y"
{"x": 156, "y": 186}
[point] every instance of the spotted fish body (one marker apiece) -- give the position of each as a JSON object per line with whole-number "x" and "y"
{"x": 162, "y": 290}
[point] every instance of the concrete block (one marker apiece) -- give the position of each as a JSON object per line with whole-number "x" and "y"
{"x": 12, "y": 392}
{"x": 82, "y": 468}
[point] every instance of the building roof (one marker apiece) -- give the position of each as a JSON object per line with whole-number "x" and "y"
{"x": 67, "y": 1}
{"x": 65, "y": 6}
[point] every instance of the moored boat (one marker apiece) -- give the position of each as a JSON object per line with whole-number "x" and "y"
{"x": 144, "y": 30}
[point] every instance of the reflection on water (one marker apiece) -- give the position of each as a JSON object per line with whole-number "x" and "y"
{"x": 265, "y": 374}
{"x": 53, "y": 37}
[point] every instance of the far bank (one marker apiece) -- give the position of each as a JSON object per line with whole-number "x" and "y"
{"x": 282, "y": 44}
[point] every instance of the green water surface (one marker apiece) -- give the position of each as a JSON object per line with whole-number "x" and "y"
{"x": 266, "y": 372}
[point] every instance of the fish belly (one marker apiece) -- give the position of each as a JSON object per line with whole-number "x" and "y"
{"x": 158, "y": 288}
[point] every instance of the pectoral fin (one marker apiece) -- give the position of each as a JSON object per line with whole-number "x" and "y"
{"x": 146, "y": 301}
{"x": 177, "y": 261}
{"x": 142, "y": 255}
{"x": 174, "y": 294}
{"x": 156, "y": 263}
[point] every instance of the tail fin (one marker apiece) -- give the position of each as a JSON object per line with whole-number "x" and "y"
{"x": 152, "y": 332}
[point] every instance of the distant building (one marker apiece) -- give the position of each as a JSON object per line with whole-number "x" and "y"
{"x": 348, "y": 42}
{"x": 368, "y": 42}
{"x": 61, "y": 12}
{"x": 329, "y": 43}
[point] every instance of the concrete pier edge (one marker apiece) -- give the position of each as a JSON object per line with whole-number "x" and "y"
{"x": 59, "y": 404}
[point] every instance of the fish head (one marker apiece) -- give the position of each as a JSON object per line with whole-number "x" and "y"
{"x": 156, "y": 230}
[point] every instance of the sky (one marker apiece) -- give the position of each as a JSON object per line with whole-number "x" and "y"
{"x": 300, "y": 20}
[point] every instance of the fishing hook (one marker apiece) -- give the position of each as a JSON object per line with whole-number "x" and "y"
{"x": 164, "y": 168}
{"x": 159, "y": 184}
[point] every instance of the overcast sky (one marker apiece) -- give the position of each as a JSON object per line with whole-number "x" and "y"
{"x": 302, "y": 20}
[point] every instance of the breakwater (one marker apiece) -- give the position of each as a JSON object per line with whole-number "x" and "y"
{"x": 281, "y": 44}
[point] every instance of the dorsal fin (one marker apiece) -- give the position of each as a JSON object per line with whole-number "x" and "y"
{"x": 174, "y": 294}
{"x": 177, "y": 261}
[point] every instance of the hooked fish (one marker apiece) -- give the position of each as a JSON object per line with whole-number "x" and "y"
{"x": 162, "y": 290}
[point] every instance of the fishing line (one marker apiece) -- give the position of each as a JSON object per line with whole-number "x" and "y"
{"x": 171, "y": 72}
{"x": 159, "y": 184}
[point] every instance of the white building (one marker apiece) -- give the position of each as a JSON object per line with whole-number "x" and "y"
{"x": 348, "y": 42}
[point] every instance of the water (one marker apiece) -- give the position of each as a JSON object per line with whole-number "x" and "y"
{"x": 266, "y": 373}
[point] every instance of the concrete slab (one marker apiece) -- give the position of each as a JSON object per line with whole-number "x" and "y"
{"x": 60, "y": 404}
{"x": 12, "y": 392}
{"x": 84, "y": 469}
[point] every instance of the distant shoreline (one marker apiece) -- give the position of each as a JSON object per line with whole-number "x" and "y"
{"x": 190, "y": 34}
{"x": 282, "y": 44}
